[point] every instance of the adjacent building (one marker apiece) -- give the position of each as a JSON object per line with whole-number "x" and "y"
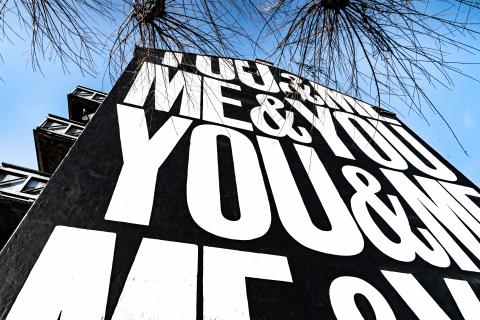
{"x": 19, "y": 186}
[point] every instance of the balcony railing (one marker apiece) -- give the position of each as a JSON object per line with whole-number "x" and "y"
{"x": 89, "y": 94}
{"x": 62, "y": 126}
{"x": 21, "y": 183}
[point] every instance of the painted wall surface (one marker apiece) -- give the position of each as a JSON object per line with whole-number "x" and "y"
{"x": 225, "y": 189}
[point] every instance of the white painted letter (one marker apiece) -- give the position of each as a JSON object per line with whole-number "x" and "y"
{"x": 284, "y": 126}
{"x": 417, "y": 298}
{"x": 71, "y": 277}
{"x": 440, "y": 206}
{"x": 323, "y": 122}
{"x": 366, "y": 198}
{"x": 162, "y": 283}
{"x": 167, "y": 91}
{"x": 269, "y": 84}
{"x": 436, "y": 168}
{"x": 344, "y": 239}
{"x": 349, "y": 104}
{"x": 213, "y": 101}
{"x": 461, "y": 194}
{"x": 226, "y": 68}
{"x": 342, "y": 294}
{"x": 394, "y": 159}
{"x": 132, "y": 198}
{"x": 203, "y": 185}
{"x": 465, "y": 298}
{"x": 224, "y": 273}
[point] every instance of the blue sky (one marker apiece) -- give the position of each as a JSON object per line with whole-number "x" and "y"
{"x": 27, "y": 97}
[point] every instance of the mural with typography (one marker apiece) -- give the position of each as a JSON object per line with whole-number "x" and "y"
{"x": 215, "y": 188}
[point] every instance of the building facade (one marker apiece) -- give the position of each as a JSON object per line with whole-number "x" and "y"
{"x": 218, "y": 188}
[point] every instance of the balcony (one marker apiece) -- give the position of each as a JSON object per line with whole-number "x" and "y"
{"x": 83, "y": 103}
{"x": 53, "y": 139}
{"x": 21, "y": 183}
{"x": 19, "y": 188}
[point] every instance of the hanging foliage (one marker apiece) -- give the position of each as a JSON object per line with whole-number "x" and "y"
{"x": 383, "y": 51}
{"x": 380, "y": 50}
